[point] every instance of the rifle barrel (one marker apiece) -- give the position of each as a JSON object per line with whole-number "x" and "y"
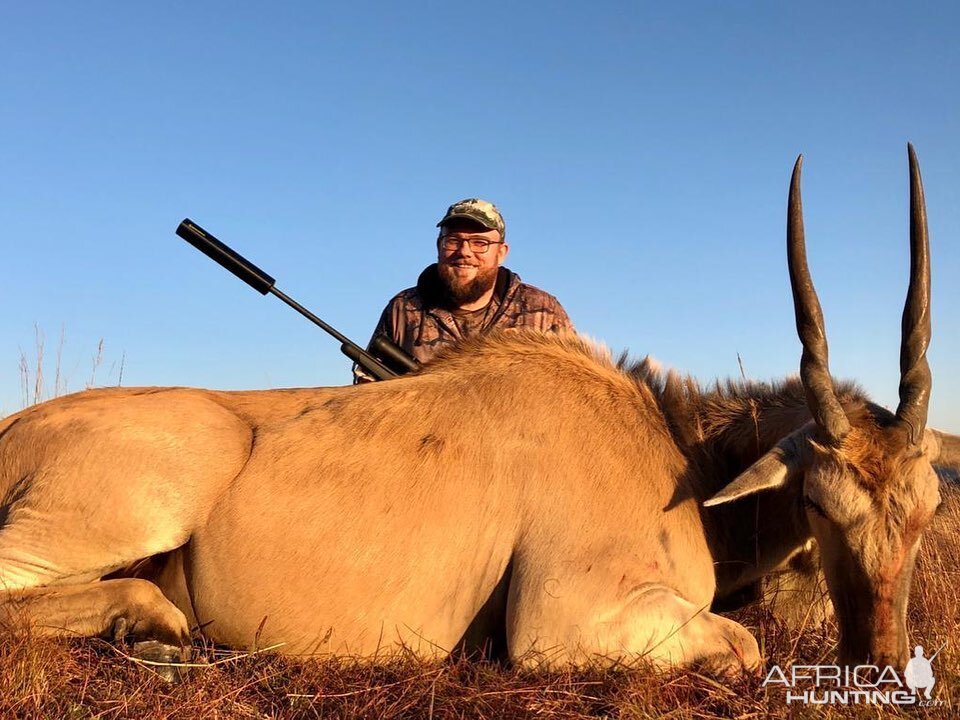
{"x": 256, "y": 278}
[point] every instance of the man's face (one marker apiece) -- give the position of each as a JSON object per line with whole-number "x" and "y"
{"x": 466, "y": 273}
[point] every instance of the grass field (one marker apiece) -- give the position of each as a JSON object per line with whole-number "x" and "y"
{"x": 93, "y": 679}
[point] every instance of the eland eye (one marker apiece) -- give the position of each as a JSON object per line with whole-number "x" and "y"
{"x": 813, "y": 505}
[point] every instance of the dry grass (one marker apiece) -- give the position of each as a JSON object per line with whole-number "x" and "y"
{"x": 93, "y": 679}
{"x": 89, "y": 679}
{"x": 34, "y": 387}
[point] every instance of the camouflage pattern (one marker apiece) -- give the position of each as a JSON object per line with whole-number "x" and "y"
{"x": 481, "y": 211}
{"x": 415, "y": 320}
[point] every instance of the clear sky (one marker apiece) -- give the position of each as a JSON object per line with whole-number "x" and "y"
{"x": 640, "y": 153}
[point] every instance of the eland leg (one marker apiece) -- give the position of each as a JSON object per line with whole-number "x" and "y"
{"x": 93, "y": 484}
{"x": 64, "y": 596}
{"x": 112, "y": 609}
{"x": 652, "y": 624}
{"x": 668, "y": 630}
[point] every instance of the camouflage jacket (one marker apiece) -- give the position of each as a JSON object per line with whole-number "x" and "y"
{"x": 416, "y": 320}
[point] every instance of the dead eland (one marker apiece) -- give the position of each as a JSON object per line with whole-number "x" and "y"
{"x": 586, "y": 508}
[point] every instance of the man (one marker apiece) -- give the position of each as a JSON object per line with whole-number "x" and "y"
{"x": 467, "y": 292}
{"x": 919, "y": 672}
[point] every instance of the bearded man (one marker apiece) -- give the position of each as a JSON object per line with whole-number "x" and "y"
{"x": 467, "y": 291}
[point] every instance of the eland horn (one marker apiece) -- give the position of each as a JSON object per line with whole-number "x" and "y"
{"x": 915, "y": 329}
{"x": 814, "y": 369}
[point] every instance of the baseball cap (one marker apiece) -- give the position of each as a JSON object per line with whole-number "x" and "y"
{"x": 478, "y": 210}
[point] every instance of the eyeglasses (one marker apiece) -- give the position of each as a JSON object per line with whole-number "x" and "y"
{"x": 477, "y": 246}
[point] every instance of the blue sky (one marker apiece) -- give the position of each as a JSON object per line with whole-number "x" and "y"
{"x": 640, "y": 153}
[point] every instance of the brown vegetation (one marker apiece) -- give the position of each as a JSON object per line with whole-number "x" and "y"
{"x": 34, "y": 386}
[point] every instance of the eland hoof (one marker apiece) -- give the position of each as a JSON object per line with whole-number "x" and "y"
{"x": 162, "y": 659}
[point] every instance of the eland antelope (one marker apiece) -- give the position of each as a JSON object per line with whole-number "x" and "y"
{"x": 587, "y": 508}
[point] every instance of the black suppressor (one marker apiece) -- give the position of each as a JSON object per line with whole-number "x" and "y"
{"x": 263, "y": 284}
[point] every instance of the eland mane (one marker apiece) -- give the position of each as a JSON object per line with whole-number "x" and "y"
{"x": 721, "y": 428}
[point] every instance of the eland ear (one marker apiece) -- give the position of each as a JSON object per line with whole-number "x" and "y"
{"x": 943, "y": 449}
{"x": 773, "y": 470}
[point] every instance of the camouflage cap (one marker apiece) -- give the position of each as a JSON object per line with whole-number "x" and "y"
{"x": 478, "y": 210}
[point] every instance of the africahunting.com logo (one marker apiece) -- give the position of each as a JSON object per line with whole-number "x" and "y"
{"x": 859, "y": 685}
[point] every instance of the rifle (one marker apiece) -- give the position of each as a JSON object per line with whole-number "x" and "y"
{"x": 390, "y": 360}
{"x": 930, "y": 659}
